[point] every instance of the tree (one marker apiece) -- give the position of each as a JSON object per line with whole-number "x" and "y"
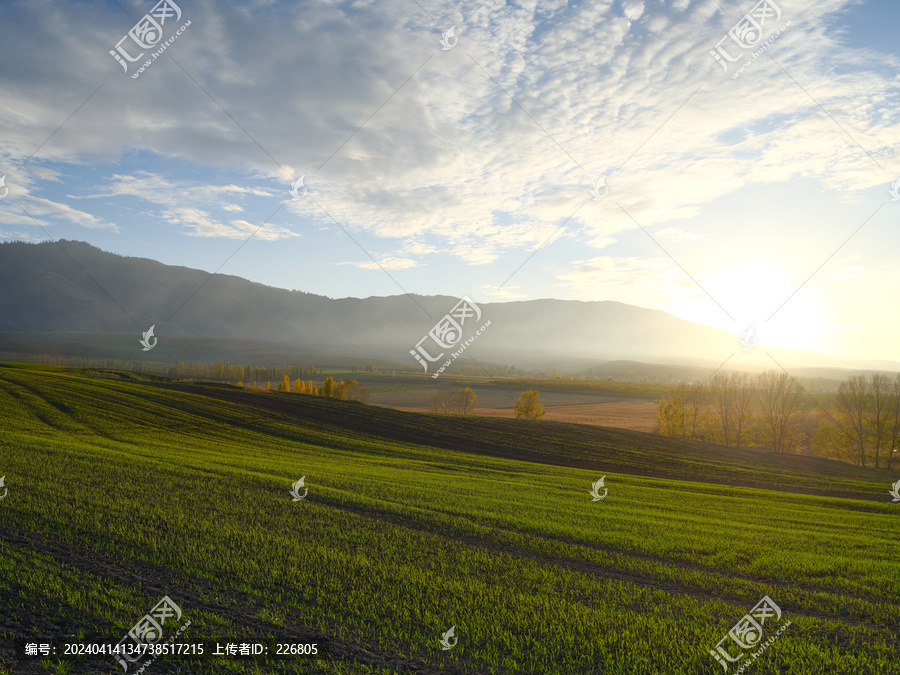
{"x": 268, "y": 385}
{"x": 894, "y": 420}
{"x": 348, "y": 390}
{"x": 670, "y": 415}
{"x": 828, "y": 440}
{"x": 465, "y": 400}
{"x": 529, "y": 406}
{"x": 880, "y": 387}
{"x": 731, "y": 400}
{"x": 684, "y": 413}
{"x": 369, "y": 367}
{"x": 357, "y": 392}
{"x": 328, "y": 387}
{"x": 694, "y": 396}
{"x": 240, "y": 384}
{"x": 314, "y": 391}
{"x": 460, "y": 402}
{"x": 285, "y": 384}
{"x": 298, "y": 386}
{"x": 742, "y": 399}
{"x": 851, "y": 407}
{"x": 780, "y": 400}
{"x": 721, "y": 396}
{"x": 437, "y": 402}
{"x": 340, "y": 390}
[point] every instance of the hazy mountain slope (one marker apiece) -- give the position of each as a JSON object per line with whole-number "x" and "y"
{"x": 73, "y": 287}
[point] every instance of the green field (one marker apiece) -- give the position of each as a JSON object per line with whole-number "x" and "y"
{"x": 123, "y": 489}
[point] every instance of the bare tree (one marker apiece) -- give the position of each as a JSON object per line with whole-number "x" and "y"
{"x": 460, "y": 402}
{"x": 438, "y": 402}
{"x": 357, "y": 392}
{"x": 721, "y": 398}
{"x": 694, "y": 409}
{"x": 780, "y": 400}
{"x": 742, "y": 395}
{"x": 851, "y": 407}
{"x": 880, "y": 387}
{"x": 893, "y": 416}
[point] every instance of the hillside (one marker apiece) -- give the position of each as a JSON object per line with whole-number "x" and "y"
{"x": 561, "y": 444}
{"x": 124, "y": 488}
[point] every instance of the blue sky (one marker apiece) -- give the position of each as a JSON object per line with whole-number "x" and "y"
{"x": 450, "y": 168}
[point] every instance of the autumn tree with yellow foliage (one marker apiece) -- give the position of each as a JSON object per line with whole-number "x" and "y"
{"x": 529, "y": 406}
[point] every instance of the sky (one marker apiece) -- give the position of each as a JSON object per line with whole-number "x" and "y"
{"x": 581, "y": 150}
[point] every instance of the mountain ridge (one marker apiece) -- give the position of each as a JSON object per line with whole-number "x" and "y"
{"x": 75, "y": 287}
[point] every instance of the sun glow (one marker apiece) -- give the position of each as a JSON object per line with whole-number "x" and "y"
{"x": 786, "y": 314}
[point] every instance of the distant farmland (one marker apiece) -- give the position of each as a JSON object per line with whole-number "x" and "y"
{"x": 124, "y": 488}
{"x": 627, "y": 414}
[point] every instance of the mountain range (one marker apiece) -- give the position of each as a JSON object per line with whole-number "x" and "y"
{"x": 85, "y": 301}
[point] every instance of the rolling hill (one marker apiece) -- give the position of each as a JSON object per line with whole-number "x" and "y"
{"x": 122, "y": 489}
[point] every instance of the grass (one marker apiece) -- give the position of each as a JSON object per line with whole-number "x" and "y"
{"x": 122, "y": 491}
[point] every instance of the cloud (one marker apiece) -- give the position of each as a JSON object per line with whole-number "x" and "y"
{"x": 515, "y": 131}
{"x": 847, "y": 273}
{"x": 197, "y": 223}
{"x": 647, "y": 282}
{"x": 32, "y": 208}
{"x": 161, "y": 191}
{"x": 503, "y": 293}
{"x": 21, "y": 207}
{"x": 385, "y": 262}
{"x": 675, "y": 234}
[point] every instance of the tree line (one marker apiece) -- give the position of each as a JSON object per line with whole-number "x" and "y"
{"x": 223, "y": 370}
{"x": 200, "y": 370}
{"x": 864, "y": 422}
{"x": 351, "y": 390}
{"x": 460, "y": 402}
{"x": 739, "y": 410}
{"x": 463, "y": 401}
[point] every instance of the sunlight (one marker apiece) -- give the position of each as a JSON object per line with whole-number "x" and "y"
{"x": 752, "y": 295}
